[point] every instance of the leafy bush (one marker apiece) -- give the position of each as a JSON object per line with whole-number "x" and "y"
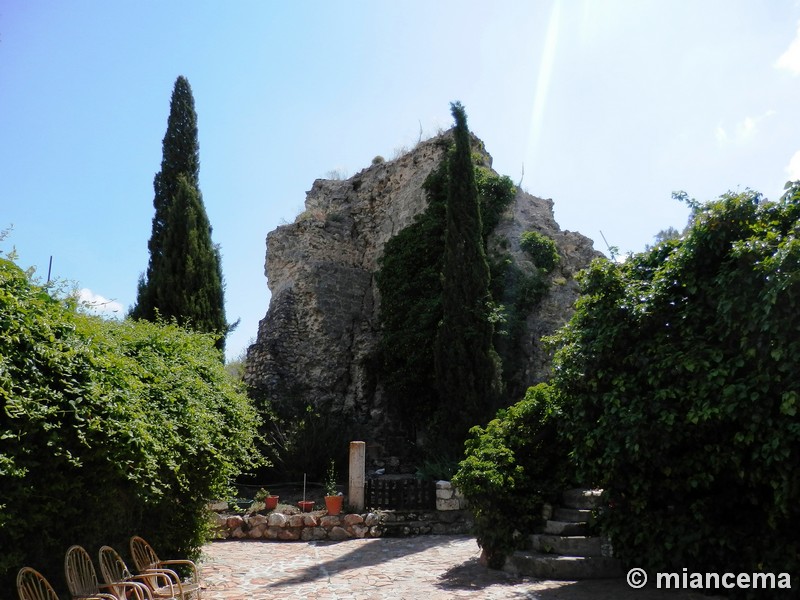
{"x": 541, "y": 249}
{"x": 680, "y": 370}
{"x": 495, "y": 193}
{"x": 512, "y": 466}
{"x": 108, "y": 429}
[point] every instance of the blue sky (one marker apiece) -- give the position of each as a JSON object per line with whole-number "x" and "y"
{"x": 608, "y": 106}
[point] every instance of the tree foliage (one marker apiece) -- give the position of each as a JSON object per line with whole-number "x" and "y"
{"x": 184, "y": 274}
{"x": 411, "y": 287}
{"x": 107, "y": 430}
{"x": 680, "y": 385}
{"x": 467, "y": 366}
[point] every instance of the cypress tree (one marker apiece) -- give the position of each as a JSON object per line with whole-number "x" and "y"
{"x": 467, "y": 367}
{"x": 184, "y": 275}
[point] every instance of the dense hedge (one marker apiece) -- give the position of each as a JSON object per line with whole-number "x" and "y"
{"x": 107, "y": 430}
{"x": 512, "y": 466}
{"x": 680, "y": 383}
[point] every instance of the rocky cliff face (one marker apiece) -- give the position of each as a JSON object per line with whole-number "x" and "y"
{"x": 320, "y": 333}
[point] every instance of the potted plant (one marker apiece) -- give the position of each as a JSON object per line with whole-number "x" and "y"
{"x": 333, "y": 500}
{"x": 269, "y": 501}
{"x": 305, "y": 505}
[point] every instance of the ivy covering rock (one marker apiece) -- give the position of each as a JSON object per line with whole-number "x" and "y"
{"x": 680, "y": 387}
{"x": 675, "y": 389}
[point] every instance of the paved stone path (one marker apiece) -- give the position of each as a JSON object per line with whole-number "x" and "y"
{"x": 418, "y": 568}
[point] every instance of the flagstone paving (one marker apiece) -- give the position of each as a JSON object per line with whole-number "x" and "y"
{"x": 418, "y": 568}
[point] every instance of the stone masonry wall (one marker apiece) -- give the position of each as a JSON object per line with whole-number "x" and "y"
{"x": 450, "y": 517}
{"x": 320, "y": 333}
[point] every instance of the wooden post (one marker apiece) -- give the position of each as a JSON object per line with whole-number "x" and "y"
{"x": 355, "y": 493}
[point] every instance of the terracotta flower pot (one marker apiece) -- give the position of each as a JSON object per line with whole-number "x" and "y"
{"x": 334, "y": 504}
{"x": 271, "y": 502}
{"x": 306, "y": 505}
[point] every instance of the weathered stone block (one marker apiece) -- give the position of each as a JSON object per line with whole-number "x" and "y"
{"x": 338, "y": 533}
{"x": 329, "y": 522}
{"x": 296, "y": 521}
{"x": 353, "y": 519}
{"x": 277, "y": 520}
{"x": 451, "y": 504}
{"x": 257, "y": 520}
{"x": 289, "y": 533}
{"x": 313, "y": 533}
{"x": 234, "y": 522}
{"x": 359, "y": 531}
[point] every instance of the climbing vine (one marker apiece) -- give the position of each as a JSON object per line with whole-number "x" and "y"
{"x": 680, "y": 383}
{"x": 409, "y": 280}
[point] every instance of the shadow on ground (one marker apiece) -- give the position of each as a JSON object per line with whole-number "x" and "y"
{"x": 363, "y": 556}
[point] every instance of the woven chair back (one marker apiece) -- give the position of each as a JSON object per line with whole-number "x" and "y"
{"x": 144, "y": 557}
{"x": 80, "y": 573}
{"x": 31, "y": 585}
{"x": 112, "y": 566}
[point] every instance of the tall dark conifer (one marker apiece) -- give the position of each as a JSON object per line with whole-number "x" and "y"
{"x": 467, "y": 367}
{"x": 184, "y": 275}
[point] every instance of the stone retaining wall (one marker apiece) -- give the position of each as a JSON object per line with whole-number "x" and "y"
{"x": 320, "y": 526}
{"x": 450, "y": 517}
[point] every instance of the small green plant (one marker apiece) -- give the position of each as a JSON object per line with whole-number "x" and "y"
{"x": 541, "y": 249}
{"x": 330, "y": 480}
{"x": 261, "y": 495}
{"x": 378, "y": 160}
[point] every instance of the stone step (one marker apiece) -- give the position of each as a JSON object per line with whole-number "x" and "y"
{"x": 572, "y": 515}
{"x": 562, "y": 568}
{"x": 574, "y": 545}
{"x": 566, "y": 528}
{"x": 581, "y": 498}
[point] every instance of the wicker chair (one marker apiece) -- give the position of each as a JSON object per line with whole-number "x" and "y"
{"x": 146, "y": 560}
{"x": 82, "y": 580}
{"x": 161, "y": 584}
{"x": 32, "y": 585}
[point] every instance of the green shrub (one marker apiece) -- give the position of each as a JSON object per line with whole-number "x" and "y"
{"x": 512, "y": 466}
{"x": 541, "y": 249}
{"x": 680, "y": 372}
{"x": 107, "y": 430}
{"x": 495, "y": 192}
